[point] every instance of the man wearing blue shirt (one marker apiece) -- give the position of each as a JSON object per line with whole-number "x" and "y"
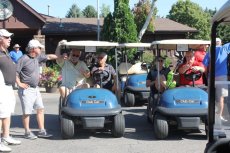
{"x": 16, "y": 53}
{"x": 221, "y": 73}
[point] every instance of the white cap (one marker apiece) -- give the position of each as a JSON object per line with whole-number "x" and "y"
{"x": 218, "y": 39}
{"x": 4, "y": 32}
{"x": 16, "y": 46}
{"x": 34, "y": 44}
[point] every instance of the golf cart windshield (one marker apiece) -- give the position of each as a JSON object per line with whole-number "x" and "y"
{"x": 128, "y": 68}
{"x": 219, "y": 117}
{"x": 90, "y": 47}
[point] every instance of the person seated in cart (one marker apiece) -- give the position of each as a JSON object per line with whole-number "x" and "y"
{"x": 109, "y": 79}
{"x": 74, "y": 71}
{"x": 191, "y": 65}
{"x": 152, "y": 79}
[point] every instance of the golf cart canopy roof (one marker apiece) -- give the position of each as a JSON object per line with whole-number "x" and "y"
{"x": 89, "y": 46}
{"x": 223, "y": 15}
{"x": 179, "y": 44}
{"x": 135, "y": 45}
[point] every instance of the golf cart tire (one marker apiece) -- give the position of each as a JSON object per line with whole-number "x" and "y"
{"x": 148, "y": 113}
{"x": 161, "y": 128}
{"x": 118, "y": 128}
{"x": 67, "y": 128}
{"x": 59, "y": 108}
{"x": 129, "y": 99}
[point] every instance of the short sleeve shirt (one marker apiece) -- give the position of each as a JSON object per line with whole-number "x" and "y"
{"x": 108, "y": 83}
{"x": 28, "y": 69}
{"x": 8, "y": 68}
{"x": 184, "y": 81}
{"x": 152, "y": 75}
{"x": 15, "y": 55}
{"x": 71, "y": 74}
{"x": 221, "y": 60}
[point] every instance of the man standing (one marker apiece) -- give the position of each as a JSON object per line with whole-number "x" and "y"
{"x": 27, "y": 78}
{"x": 220, "y": 74}
{"x": 7, "y": 97}
{"x": 16, "y": 53}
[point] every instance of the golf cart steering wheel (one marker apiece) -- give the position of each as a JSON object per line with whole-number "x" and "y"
{"x": 190, "y": 75}
{"x": 101, "y": 75}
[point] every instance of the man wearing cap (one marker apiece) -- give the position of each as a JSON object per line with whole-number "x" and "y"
{"x": 27, "y": 78}
{"x": 16, "y": 53}
{"x": 152, "y": 77}
{"x": 221, "y": 72}
{"x": 108, "y": 71}
{"x": 7, "y": 96}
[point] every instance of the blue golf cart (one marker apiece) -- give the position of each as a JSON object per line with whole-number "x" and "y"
{"x": 90, "y": 108}
{"x": 133, "y": 77}
{"x": 218, "y": 129}
{"x": 182, "y": 108}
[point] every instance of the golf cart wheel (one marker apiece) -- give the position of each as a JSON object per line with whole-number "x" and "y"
{"x": 149, "y": 114}
{"x": 59, "y": 107}
{"x": 67, "y": 127}
{"x": 118, "y": 128}
{"x": 129, "y": 99}
{"x": 161, "y": 128}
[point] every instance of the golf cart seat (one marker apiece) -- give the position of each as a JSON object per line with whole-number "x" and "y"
{"x": 123, "y": 68}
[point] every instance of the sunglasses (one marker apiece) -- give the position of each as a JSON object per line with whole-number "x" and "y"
{"x": 6, "y": 37}
{"x": 100, "y": 57}
{"x": 73, "y": 55}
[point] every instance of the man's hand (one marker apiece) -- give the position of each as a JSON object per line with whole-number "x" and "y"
{"x": 23, "y": 85}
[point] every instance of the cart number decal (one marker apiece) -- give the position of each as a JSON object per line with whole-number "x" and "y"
{"x": 187, "y": 101}
{"x": 92, "y": 101}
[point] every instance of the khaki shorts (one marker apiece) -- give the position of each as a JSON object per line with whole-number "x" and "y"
{"x": 31, "y": 100}
{"x": 7, "y": 101}
{"x": 221, "y": 89}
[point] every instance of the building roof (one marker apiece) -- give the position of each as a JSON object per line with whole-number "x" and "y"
{"x": 164, "y": 24}
{"x": 70, "y": 26}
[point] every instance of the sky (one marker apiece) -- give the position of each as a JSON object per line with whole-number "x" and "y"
{"x": 59, "y": 8}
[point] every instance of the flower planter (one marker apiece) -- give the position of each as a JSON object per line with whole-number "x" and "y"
{"x": 51, "y": 89}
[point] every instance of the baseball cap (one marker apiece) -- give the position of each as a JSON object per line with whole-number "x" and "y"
{"x": 34, "y": 44}
{"x": 4, "y": 32}
{"x": 218, "y": 39}
{"x": 16, "y": 46}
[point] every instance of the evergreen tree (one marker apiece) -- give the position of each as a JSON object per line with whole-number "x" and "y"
{"x": 74, "y": 12}
{"x": 89, "y": 12}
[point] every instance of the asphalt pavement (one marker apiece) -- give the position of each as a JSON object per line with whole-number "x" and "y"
{"x": 138, "y": 138}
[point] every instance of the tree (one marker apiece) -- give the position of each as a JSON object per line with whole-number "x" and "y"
{"x": 191, "y": 14}
{"x": 120, "y": 26}
{"x": 105, "y": 9}
{"x": 74, "y": 12}
{"x": 89, "y": 12}
{"x": 223, "y": 31}
{"x": 144, "y": 16}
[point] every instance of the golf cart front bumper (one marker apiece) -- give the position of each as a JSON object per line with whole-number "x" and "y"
{"x": 191, "y": 112}
{"x": 90, "y": 119}
{"x": 186, "y": 118}
{"x": 90, "y": 112}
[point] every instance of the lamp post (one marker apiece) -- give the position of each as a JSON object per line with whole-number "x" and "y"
{"x": 98, "y": 22}
{"x": 48, "y": 10}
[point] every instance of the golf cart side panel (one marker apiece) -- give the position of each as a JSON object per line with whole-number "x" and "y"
{"x": 136, "y": 84}
{"x": 137, "y": 80}
{"x": 92, "y": 98}
{"x": 185, "y": 97}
